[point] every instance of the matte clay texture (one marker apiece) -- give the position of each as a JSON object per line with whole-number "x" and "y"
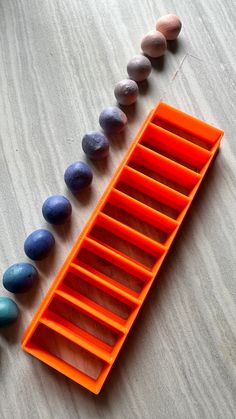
{"x": 9, "y": 311}
{"x": 78, "y": 176}
{"x": 95, "y": 145}
{"x": 112, "y": 120}
{"x": 170, "y": 26}
{"x": 126, "y": 92}
{"x": 20, "y": 277}
{"x": 139, "y": 68}
{"x": 39, "y": 244}
{"x": 154, "y": 44}
{"x": 57, "y": 209}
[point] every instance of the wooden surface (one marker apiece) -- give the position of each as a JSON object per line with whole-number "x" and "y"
{"x": 59, "y": 62}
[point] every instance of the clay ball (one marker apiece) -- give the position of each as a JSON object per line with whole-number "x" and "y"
{"x": 95, "y": 145}
{"x": 170, "y": 26}
{"x": 112, "y": 120}
{"x": 39, "y": 244}
{"x": 9, "y": 311}
{"x": 154, "y": 44}
{"x": 139, "y": 68}
{"x": 78, "y": 176}
{"x": 126, "y": 92}
{"x": 20, "y": 277}
{"x": 57, "y": 209}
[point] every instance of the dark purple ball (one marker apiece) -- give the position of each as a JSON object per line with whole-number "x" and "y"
{"x": 78, "y": 176}
{"x": 112, "y": 120}
{"x": 57, "y": 209}
{"x": 95, "y": 145}
{"x": 39, "y": 244}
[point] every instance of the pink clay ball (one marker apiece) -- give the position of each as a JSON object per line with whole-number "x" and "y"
{"x": 170, "y": 26}
{"x": 154, "y": 44}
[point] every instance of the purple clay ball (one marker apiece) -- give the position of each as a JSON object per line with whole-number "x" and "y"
{"x": 78, "y": 176}
{"x": 126, "y": 92}
{"x": 39, "y": 244}
{"x": 154, "y": 44}
{"x": 112, "y": 120}
{"x": 57, "y": 209}
{"x": 139, "y": 68}
{"x": 95, "y": 145}
{"x": 170, "y": 26}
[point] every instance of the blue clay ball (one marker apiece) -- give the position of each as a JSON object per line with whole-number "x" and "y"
{"x": 20, "y": 277}
{"x": 57, "y": 209}
{"x": 39, "y": 244}
{"x": 112, "y": 120}
{"x": 95, "y": 145}
{"x": 9, "y": 311}
{"x": 78, "y": 176}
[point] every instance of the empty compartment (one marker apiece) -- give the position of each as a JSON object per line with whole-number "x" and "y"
{"x": 186, "y": 126}
{"x": 126, "y": 241}
{"x": 140, "y": 217}
{"x": 132, "y": 191}
{"x": 84, "y": 288}
{"x": 81, "y": 325}
{"x": 152, "y": 193}
{"x": 176, "y": 148}
{"x": 162, "y": 169}
{"x": 62, "y": 354}
{"x": 110, "y": 272}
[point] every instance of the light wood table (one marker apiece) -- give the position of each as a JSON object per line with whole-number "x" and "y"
{"x": 59, "y": 62}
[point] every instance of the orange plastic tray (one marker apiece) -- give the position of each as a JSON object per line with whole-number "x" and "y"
{"x": 84, "y": 319}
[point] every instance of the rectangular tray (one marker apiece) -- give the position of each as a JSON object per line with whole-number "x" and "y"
{"x": 86, "y": 315}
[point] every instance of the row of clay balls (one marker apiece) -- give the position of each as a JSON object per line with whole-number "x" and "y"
{"x": 154, "y": 45}
{"x": 57, "y": 209}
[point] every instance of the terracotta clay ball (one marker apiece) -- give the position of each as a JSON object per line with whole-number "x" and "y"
{"x": 139, "y": 68}
{"x": 170, "y": 26}
{"x": 126, "y": 92}
{"x": 154, "y": 44}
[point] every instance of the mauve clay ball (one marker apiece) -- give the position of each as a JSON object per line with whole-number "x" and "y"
{"x": 154, "y": 44}
{"x": 139, "y": 68}
{"x": 126, "y": 92}
{"x": 170, "y": 26}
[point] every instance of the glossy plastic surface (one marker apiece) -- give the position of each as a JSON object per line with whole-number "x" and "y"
{"x": 100, "y": 289}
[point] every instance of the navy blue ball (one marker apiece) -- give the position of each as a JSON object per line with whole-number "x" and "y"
{"x": 39, "y": 244}
{"x": 112, "y": 120}
{"x": 95, "y": 145}
{"x": 57, "y": 209}
{"x": 78, "y": 176}
{"x": 9, "y": 311}
{"x": 20, "y": 277}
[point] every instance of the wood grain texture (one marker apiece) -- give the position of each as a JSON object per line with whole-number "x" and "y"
{"x": 59, "y": 62}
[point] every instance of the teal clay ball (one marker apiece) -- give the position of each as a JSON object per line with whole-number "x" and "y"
{"x": 9, "y": 311}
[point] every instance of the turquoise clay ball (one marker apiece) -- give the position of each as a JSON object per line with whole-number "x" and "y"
{"x": 9, "y": 311}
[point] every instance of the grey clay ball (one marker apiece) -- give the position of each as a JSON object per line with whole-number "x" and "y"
{"x": 154, "y": 44}
{"x": 126, "y": 92}
{"x": 139, "y": 68}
